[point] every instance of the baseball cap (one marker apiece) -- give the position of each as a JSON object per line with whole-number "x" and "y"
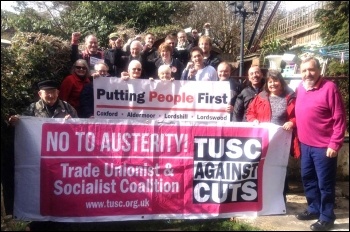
{"x": 113, "y": 35}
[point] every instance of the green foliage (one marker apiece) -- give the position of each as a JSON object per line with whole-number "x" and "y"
{"x": 30, "y": 58}
{"x": 334, "y": 22}
{"x": 94, "y": 17}
{"x": 334, "y": 28}
{"x": 163, "y": 31}
{"x": 335, "y": 68}
{"x": 153, "y": 225}
{"x": 273, "y": 47}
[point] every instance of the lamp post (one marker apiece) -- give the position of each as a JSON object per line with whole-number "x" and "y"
{"x": 239, "y": 9}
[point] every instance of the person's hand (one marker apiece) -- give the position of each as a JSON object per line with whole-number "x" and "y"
{"x": 96, "y": 75}
{"x": 288, "y": 126}
{"x": 255, "y": 122}
{"x": 146, "y": 48}
{"x": 192, "y": 73}
{"x": 13, "y": 119}
{"x": 331, "y": 153}
{"x": 172, "y": 79}
{"x": 125, "y": 76}
{"x": 151, "y": 79}
{"x": 229, "y": 108}
{"x": 75, "y": 37}
{"x": 67, "y": 117}
{"x": 189, "y": 65}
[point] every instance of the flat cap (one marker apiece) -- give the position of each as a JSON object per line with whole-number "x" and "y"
{"x": 48, "y": 84}
{"x": 114, "y": 34}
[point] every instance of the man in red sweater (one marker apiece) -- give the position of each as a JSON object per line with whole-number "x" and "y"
{"x": 320, "y": 118}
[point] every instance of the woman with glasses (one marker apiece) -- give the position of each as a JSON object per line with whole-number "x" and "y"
{"x": 73, "y": 84}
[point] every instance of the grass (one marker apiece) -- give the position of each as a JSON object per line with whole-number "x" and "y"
{"x": 152, "y": 225}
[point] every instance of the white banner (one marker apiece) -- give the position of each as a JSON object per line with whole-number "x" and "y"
{"x": 115, "y": 98}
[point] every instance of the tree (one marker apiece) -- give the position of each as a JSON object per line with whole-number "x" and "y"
{"x": 94, "y": 17}
{"x": 334, "y": 22}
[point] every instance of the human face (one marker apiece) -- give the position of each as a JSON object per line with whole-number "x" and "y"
{"x": 165, "y": 54}
{"x": 135, "y": 50}
{"x": 116, "y": 42}
{"x": 197, "y": 58}
{"x": 164, "y": 74}
{"x": 80, "y": 69}
{"x": 102, "y": 71}
{"x": 135, "y": 71}
{"x": 49, "y": 96}
{"x": 274, "y": 86}
{"x": 224, "y": 72}
{"x": 149, "y": 40}
{"x": 181, "y": 37}
{"x": 255, "y": 76}
{"x": 195, "y": 34}
{"x": 310, "y": 73}
{"x": 205, "y": 46}
{"x": 91, "y": 44}
{"x": 171, "y": 43}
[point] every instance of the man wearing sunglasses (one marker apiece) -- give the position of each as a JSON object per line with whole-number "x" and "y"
{"x": 134, "y": 71}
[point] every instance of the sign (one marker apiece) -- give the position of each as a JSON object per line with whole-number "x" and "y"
{"x": 115, "y": 98}
{"x": 112, "y": 170}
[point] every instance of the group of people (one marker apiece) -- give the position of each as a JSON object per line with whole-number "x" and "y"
{"x": 315, "y": 112}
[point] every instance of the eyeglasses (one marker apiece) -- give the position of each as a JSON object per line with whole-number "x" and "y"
{"x": 102, "y": 71}
{"x": 114, "y": 38}
{"x": 80, "y": 67}
{"x": 136, "y": 69}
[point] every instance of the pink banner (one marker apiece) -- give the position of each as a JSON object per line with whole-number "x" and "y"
{"x": 105, "y": 170}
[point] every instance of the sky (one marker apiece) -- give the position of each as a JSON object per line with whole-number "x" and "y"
{"x": 6, "y": 5}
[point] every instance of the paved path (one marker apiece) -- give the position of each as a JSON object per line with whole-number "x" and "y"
{"x": 296, "y": 203}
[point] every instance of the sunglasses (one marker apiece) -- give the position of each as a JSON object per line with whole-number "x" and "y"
{"x": 136, "y": 69}
{"x": 80, "y": 67}
{"x": 114, "y": 38}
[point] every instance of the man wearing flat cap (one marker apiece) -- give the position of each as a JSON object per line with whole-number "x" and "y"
{"x": 49, "y": 106}
{"x": 113, "y": 56}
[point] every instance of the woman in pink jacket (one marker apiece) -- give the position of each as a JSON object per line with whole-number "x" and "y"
{"x": 276, "y": 104}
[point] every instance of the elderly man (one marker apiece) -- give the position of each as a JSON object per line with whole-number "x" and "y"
{"x": 320, "y": 117}
{"x": 149, "y": 68}
{"x": 49, "y": 106}
{"x": 92, "y": 54}
{"x": 134, "y": 71}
